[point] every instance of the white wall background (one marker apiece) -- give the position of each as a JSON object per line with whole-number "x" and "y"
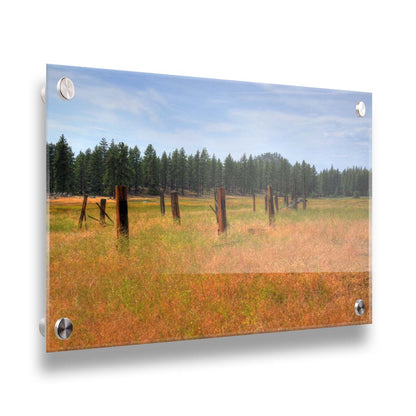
{"x": 356, "y": 45}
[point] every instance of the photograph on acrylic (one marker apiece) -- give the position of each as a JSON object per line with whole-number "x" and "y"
{"x": 182, "y": 208}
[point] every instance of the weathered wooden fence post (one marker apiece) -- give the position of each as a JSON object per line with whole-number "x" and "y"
{"x": 175, "y": 206}
{"x": 304, "y": 197}
{"x": 304, "y": 191}
{"x": 270, "y": 207}
{"x": 122, "y": 216}
{"x": 83, "y": 217}
{"x": 162, "y": 203}
{"x": 103, "y": 203}
{"x": 221, "y": 211}
{"x": 254, "y": 202}
{"x": 265, "y": 202}
{"x": 295, "y": 192}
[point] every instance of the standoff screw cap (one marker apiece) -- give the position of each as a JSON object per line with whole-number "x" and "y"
{"x": 63, "y": 328}
{"x": 66, "y": 89}
{"x": 359, "y": 307}
{"x": 360, "y": 109}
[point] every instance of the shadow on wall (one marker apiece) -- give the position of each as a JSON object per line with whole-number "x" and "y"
{"x": 213, "y": 348}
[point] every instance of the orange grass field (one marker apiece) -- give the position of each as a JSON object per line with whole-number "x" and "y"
{"x": 185, "y": 281}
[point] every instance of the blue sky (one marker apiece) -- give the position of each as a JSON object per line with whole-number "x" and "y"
{"x": 316, "y": 125}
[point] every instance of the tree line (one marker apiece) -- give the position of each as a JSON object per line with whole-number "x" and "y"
{"x": 97, "y": 171}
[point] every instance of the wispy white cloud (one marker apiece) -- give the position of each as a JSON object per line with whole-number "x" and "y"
{"x": 225, "y": 117}
{"x": 145, "y": 103}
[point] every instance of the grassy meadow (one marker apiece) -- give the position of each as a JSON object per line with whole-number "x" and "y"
{"x": 186, "y": 281}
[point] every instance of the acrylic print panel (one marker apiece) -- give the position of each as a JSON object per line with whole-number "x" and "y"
{"x": 183, "y": 208}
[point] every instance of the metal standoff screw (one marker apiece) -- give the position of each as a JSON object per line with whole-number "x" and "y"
{"x": 360, "y": 109}
{"x": 66, "y": 89}
{"x": 43, "y": 94}
{"x": 359, "y": 307}
{"x": 42, "y": 326}
{"x": 63, "y": 328}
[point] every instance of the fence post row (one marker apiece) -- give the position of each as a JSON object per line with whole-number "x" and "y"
{"x": 271, "y": 206}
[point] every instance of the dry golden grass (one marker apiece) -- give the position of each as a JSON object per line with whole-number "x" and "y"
{"x": 184, "y": 281}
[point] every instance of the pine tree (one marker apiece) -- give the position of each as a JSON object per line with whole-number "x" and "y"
{"x": 164, "y": 171}
{"x": 110, "y": 172}
{"x": 229, "y": 173}
{"x": 314, "y": 181}
{"x": 196, "y": 173}
{"x": 284, "y": 169}
{"x": 50, "y": 157}
{"x": 204, "y": 170}
{"x": 63, "y": 166}
{"x": 96, "y": 170}
{"x": 213, "y": 172}
{"x": 219, "y": 173}
{"x": 123, "y": 165}
{"x": 243, "y": 174}
{"x": 80, "y": 174}
{"x": 174, "y": 170}
{"x": 251, "y": 175}
{"x": 190, "y": 170}
{"x": 150, "y": 170}
{"x": 304, "y": 171}
{"x": 182, "y": 170}
{"x": 135, "y": 163}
